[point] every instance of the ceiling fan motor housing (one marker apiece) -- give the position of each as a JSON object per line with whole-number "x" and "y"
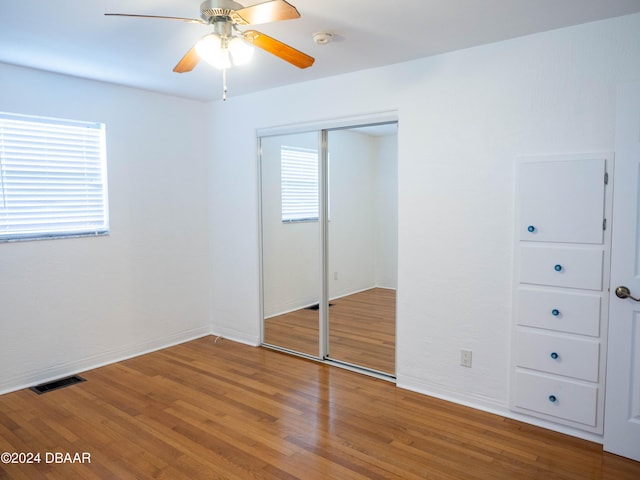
{"x": 210, "y": 9}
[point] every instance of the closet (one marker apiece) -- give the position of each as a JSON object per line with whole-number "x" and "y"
{"x": 328, "y": 202}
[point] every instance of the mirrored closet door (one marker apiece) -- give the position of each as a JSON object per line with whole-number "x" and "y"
{"x": 362, "y": 246}
{"x": 291, "y": 256}
{"x": 329, "y": 244}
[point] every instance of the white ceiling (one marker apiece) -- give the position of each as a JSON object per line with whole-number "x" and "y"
{"x": 74, "y": 37}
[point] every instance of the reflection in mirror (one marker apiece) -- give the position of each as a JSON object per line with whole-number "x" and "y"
{"x": 362, "y": 246}
{"x": 291, "y": 268}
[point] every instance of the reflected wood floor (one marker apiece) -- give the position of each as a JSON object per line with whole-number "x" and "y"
{"x": 362, "y": 329}
{"x": 223, "y": 410}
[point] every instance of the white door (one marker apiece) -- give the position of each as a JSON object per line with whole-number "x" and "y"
{"x": 622, "y": 410}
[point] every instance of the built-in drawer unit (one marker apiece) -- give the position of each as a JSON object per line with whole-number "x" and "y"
{"x": 562, "y": 246}
{"x": 557, "y": 397}
{"x": 562, "y": 311}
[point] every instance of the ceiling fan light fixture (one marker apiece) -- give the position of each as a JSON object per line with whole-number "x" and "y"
{"x": 211, "y": 49}
{"x": 227, "y": 45}
{"x": 241, "y": 51}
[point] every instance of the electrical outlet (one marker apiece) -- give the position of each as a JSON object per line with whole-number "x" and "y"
{"x": 465, "y": 358}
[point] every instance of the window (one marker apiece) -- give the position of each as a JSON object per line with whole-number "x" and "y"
{"x": 299, "y": 172}
{"x": 52, "y": 178}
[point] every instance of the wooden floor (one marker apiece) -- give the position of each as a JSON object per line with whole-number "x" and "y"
{"x": 362, "y": 330}
{"x": 222, "y": 410}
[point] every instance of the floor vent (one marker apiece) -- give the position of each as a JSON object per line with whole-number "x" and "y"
{"x": 316, "y": 306}
{"x": 56, "y": 384}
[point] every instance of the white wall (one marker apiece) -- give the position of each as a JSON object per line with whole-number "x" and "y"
{"x": 463, "y": 118}
{"x": 67, "y": 305}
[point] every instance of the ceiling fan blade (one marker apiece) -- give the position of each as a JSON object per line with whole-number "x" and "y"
{"x": 189, "y": 20}
{"x": 188, "y": 62}
{"x": 271, "y": 11}
{"x": 279, "y": 49}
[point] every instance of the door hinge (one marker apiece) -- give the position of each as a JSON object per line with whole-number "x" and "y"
{"x": 606, "y": 178}
{"x": 604, "y": 224}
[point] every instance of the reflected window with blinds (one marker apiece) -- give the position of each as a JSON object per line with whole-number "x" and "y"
{"x": 299, "y": 171}
{"x": 53, "y": 180}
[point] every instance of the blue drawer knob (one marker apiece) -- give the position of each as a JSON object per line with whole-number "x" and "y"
{"x": 557, "y": 267}
{"x": 531, "y": 228}
{"x": 554, "y": 355}
{"x": 555, "y": 312}
{"x": 553, "y": 399}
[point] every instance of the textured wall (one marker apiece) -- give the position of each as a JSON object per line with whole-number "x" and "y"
{"x": 463, "y": 119}
{"x": 70, "y": 304}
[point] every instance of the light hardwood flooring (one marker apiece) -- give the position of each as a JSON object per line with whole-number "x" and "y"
{"x": 362, "y": 330}
{"x": 222, "y": 410}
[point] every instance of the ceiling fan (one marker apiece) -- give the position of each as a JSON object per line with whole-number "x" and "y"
{"x": 228, "y": 45}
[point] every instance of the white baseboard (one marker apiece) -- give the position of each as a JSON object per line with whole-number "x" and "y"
{"x": 491, "y": 406}
{"x": 294, "y": 308}
{"x": 236, "y": 336}
{"x": 62, "y": 370}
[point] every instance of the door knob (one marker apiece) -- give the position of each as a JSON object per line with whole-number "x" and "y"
{"x": 624, "y": 292}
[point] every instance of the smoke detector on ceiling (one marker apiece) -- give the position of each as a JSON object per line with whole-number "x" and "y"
{"x": 322, "y": 38}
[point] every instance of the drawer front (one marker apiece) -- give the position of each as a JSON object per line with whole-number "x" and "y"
{"x": 557, "y": 397}
{"x": 562, "y": 267}
{"x": 562, "y": 311}
{"x": 571, "y": 357}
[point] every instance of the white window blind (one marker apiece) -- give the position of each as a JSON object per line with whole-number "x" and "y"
{"x": 299, "y": 172}
{"x": 52, "y": 178}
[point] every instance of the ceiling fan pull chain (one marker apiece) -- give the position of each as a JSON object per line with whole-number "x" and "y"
{"x": 224, "y": 84}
